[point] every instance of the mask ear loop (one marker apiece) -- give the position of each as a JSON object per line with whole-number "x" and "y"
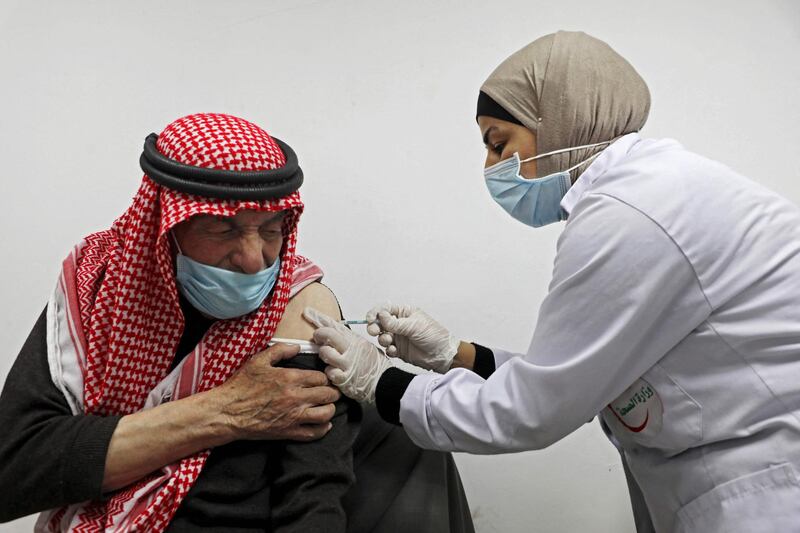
{"x": 562, "y": 150}
{"x": 587, "y": 160}
{"x": 175, "y": 240}
{"x": 570, "y": 169}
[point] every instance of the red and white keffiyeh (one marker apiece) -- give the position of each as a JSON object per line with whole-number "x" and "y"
{"x": 114, "y": 321}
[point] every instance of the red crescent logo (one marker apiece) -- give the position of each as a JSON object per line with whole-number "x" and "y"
{"x": 635, "y": 429}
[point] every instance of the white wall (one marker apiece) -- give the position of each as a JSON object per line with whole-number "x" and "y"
{"x": 378, "y": 99}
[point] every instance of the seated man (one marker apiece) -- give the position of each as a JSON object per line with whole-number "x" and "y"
{"x": 147, "y": 396}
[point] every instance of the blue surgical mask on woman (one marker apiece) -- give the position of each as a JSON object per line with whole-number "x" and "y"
{"x": 535, "y": 202}
{"x": 221, "y": 293}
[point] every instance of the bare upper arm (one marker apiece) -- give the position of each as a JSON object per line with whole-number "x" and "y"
{"x": 316, "y": 295}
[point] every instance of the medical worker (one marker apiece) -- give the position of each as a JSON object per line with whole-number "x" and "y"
{"x": 673, "y": 311}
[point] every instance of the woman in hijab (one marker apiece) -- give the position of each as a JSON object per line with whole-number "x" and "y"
{"x": 672, "y": 312}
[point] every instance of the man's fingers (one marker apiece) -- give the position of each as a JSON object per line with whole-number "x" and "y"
{"x": 318, "y": 415}
{"x": 308, "y": 432}
{"x": 303, "y": 378}
{"x": 277, "y": 353}
{"x": 317, "y": 396}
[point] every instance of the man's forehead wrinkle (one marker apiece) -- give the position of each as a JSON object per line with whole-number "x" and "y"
{"x": 206, "y": 219}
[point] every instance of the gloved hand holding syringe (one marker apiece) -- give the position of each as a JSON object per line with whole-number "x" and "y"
{"x": 411, "y": 334}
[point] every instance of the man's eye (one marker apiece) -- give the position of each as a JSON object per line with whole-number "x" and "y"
{"x": 223, "y": 232}
{"x": 270, "y": 233}
{"x": 498, "y": 148}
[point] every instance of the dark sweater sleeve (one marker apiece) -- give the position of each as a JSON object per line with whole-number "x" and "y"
{"x": 312, "y": 478}
{"x": 48, "y": 457}
{"x": 484, "y": 364}
{"x": 391, "y": 387}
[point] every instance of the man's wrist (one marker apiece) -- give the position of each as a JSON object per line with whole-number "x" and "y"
{"x": 218, "y": 427}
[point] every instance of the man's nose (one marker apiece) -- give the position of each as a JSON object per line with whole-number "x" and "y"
{"x": 251, "y": 254}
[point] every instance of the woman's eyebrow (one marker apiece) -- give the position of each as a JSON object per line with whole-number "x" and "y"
{"x": 486, "y": 135}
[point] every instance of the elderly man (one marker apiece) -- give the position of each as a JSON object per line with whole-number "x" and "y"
{"x": 147, "y": 397}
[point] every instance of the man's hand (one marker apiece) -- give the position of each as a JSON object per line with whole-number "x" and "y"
{"x": 263, "y": 402}
{"x": 259, "y": 401}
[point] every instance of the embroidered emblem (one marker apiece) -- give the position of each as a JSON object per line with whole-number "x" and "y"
{"x": 638, "y": 409}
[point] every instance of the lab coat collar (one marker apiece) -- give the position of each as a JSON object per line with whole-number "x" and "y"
{"x": 607, "y": 159}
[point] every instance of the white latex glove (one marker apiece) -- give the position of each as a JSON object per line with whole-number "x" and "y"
{"x": 354, "y": 364}
{"x": 409, "y": 333}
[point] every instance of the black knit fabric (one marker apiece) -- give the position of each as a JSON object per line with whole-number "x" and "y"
{"x": 484, "y": 364}
{"x": 390, "y": 389}
{"x": 47, "y": 456}
{"x": 488, "y": 107}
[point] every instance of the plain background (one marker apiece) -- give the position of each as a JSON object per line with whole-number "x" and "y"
{"x": 378, "y": 100}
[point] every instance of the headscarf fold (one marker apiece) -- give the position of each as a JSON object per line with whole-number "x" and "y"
{"x": 570, "y": 89}
{"x": 118, "y": 301}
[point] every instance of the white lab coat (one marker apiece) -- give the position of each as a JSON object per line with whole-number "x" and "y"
{"x": 674, "y": 312}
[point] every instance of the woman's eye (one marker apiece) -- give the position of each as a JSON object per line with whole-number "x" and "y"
{"x": 498, "y": 148}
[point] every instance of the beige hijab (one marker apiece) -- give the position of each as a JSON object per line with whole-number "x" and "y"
{"x": 570, "y": 89}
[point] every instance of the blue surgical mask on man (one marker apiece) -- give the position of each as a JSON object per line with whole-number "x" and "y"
{"x": 535, "y": 202}
{"x": 221, "y": 293}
